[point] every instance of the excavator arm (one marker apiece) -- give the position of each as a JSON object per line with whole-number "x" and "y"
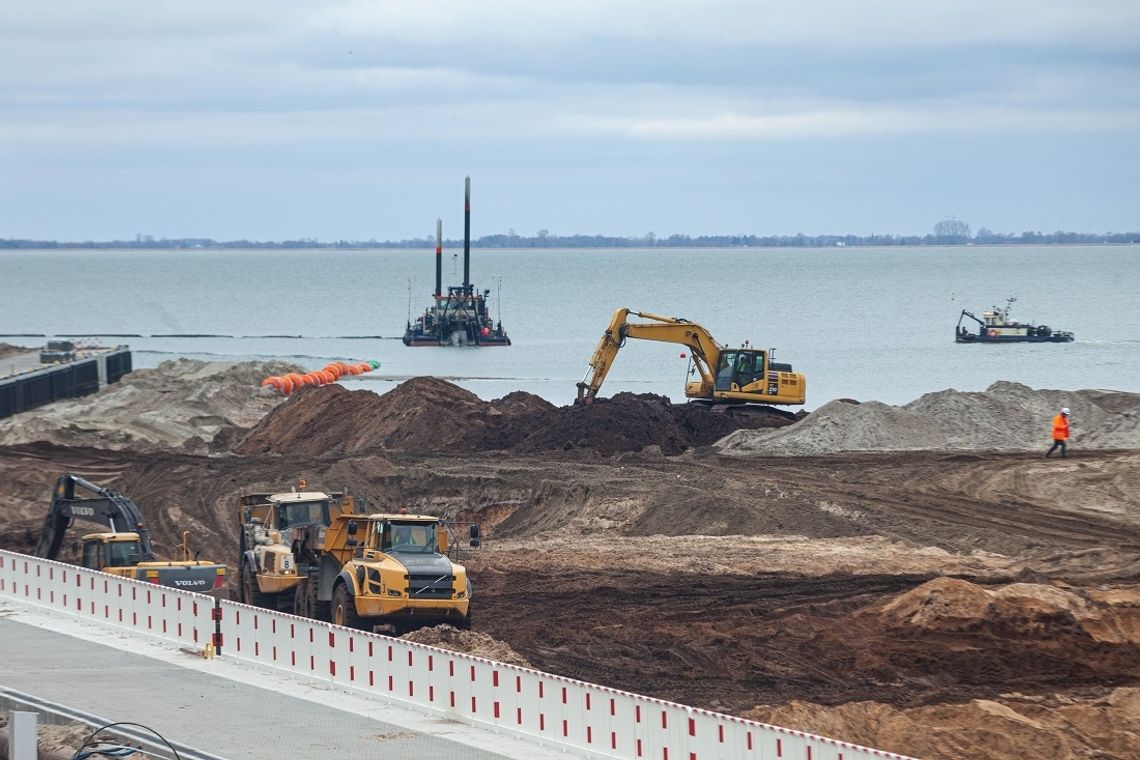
{"x": 705, "y": 350}
{"x": 106, "y": 508}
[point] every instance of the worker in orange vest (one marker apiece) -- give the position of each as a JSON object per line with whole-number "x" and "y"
{"x": 1060, "y": 431}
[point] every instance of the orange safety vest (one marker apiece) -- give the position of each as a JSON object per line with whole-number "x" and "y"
{"x": 1060, "y": 428}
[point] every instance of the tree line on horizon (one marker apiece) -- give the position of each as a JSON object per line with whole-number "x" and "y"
{"x": 947, "y": 232}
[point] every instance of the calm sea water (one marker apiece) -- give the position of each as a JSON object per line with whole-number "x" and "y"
{"x": 866, "y": 323}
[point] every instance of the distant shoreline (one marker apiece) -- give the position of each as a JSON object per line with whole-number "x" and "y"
{"x": 451, "y": 245}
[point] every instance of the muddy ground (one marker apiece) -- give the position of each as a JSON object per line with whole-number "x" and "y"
{"x": 942, "y": 604}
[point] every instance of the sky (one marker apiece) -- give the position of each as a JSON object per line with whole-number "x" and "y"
{"x": 359, "y": 119}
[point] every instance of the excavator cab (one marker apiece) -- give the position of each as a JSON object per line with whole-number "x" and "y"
{"x": 739, "y": 368}
{"x": 103, "y": 551}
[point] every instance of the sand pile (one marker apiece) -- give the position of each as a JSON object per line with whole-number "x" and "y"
{"x": 467, "y": 642}
{"x": 7, "y": 349}
{"x": 428, "y": 414}
{"x": 1006, "y": 416}
{"x": 189, "y": 404}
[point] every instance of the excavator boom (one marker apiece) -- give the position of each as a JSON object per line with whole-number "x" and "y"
{"x": 704, "y": 348}
{"x": 726, "y": 375}
{"x": 106, "y": 508}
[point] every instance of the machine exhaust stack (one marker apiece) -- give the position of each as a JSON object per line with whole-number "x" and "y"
{"x": 467, "y": 239}
{"x": 438, "y": 259}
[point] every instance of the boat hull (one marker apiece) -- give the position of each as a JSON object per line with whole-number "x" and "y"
{"x": 1014, "y": 339}
{"x": 416, "y": 340}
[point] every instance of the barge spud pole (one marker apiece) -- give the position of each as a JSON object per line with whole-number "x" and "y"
{"x": 438, "y": 259}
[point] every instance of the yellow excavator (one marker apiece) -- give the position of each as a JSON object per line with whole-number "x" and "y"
{"x": 727, "y": 375}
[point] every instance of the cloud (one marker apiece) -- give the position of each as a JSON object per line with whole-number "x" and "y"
{"x": 320, "y": 90}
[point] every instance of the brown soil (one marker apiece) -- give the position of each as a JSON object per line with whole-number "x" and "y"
{"x": 427, "y": 414}
{"x": 979, "y": 604}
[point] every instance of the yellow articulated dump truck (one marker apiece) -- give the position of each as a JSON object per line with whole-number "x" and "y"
{"x": 395, "y": 574}
{"x": 315, "y": 554}
{"x": 279, "y": 545}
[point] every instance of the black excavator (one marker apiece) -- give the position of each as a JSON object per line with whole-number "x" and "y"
{"x": 124, "y": 549}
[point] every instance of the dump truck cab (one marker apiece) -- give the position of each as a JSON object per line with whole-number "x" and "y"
{"x": 395, "y": 574}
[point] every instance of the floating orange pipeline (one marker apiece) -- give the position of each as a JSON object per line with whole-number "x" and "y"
{"x": 330, "y": 373}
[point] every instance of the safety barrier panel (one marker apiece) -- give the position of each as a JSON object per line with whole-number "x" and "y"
{"x": 552, "y": 710}
{"x": 182, "y": 617}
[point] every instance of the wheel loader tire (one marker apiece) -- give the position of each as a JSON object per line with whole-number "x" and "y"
{"x": 250, "y": 593}
{"x": 465, "y": 623}
{"x": 344, "y": 608}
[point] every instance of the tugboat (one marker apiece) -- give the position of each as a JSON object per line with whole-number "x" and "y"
{"x": 461, "y": 317}
{"x": 995, "y": 326}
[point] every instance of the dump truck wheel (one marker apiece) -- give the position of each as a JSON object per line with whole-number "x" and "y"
{"x": 344, "y": 608}
{"x": 250, "y": 593}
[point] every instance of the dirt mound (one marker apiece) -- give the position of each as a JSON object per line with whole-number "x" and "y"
{"x": 1006, "y": 416}
{"x": 421, "y": 414}
{"x": 1030, "y": 610}
{"x": 183, "y": 404}
{"x": 1010, "y": 727}
{"x": 428, "y": 414}
{"x": 7, "y": 349}
{"x": 467, "y": 642}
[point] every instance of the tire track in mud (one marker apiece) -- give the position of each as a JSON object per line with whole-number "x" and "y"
{"x": 682, "y": 638}
{"x": 734, "y": 642}
{"x": 915, "y": 487}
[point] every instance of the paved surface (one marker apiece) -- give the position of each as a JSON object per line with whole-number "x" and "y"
{"x": 223, "y": 708}
{"x": 20, "y": 363}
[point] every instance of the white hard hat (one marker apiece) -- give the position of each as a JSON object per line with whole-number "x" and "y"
{"x": 1064, "y": 410}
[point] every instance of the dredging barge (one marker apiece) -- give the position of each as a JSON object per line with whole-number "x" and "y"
{"x": 995, "y": 326}
{"x": 461, "y": 316}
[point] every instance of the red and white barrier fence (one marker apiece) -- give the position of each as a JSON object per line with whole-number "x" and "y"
{"x": 552, "y": 710}
{"x": 555, "y": 711}
{"x": 183, "y": 617}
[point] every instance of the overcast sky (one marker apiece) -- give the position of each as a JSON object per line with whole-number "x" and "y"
{"x": 341, "y": 119}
